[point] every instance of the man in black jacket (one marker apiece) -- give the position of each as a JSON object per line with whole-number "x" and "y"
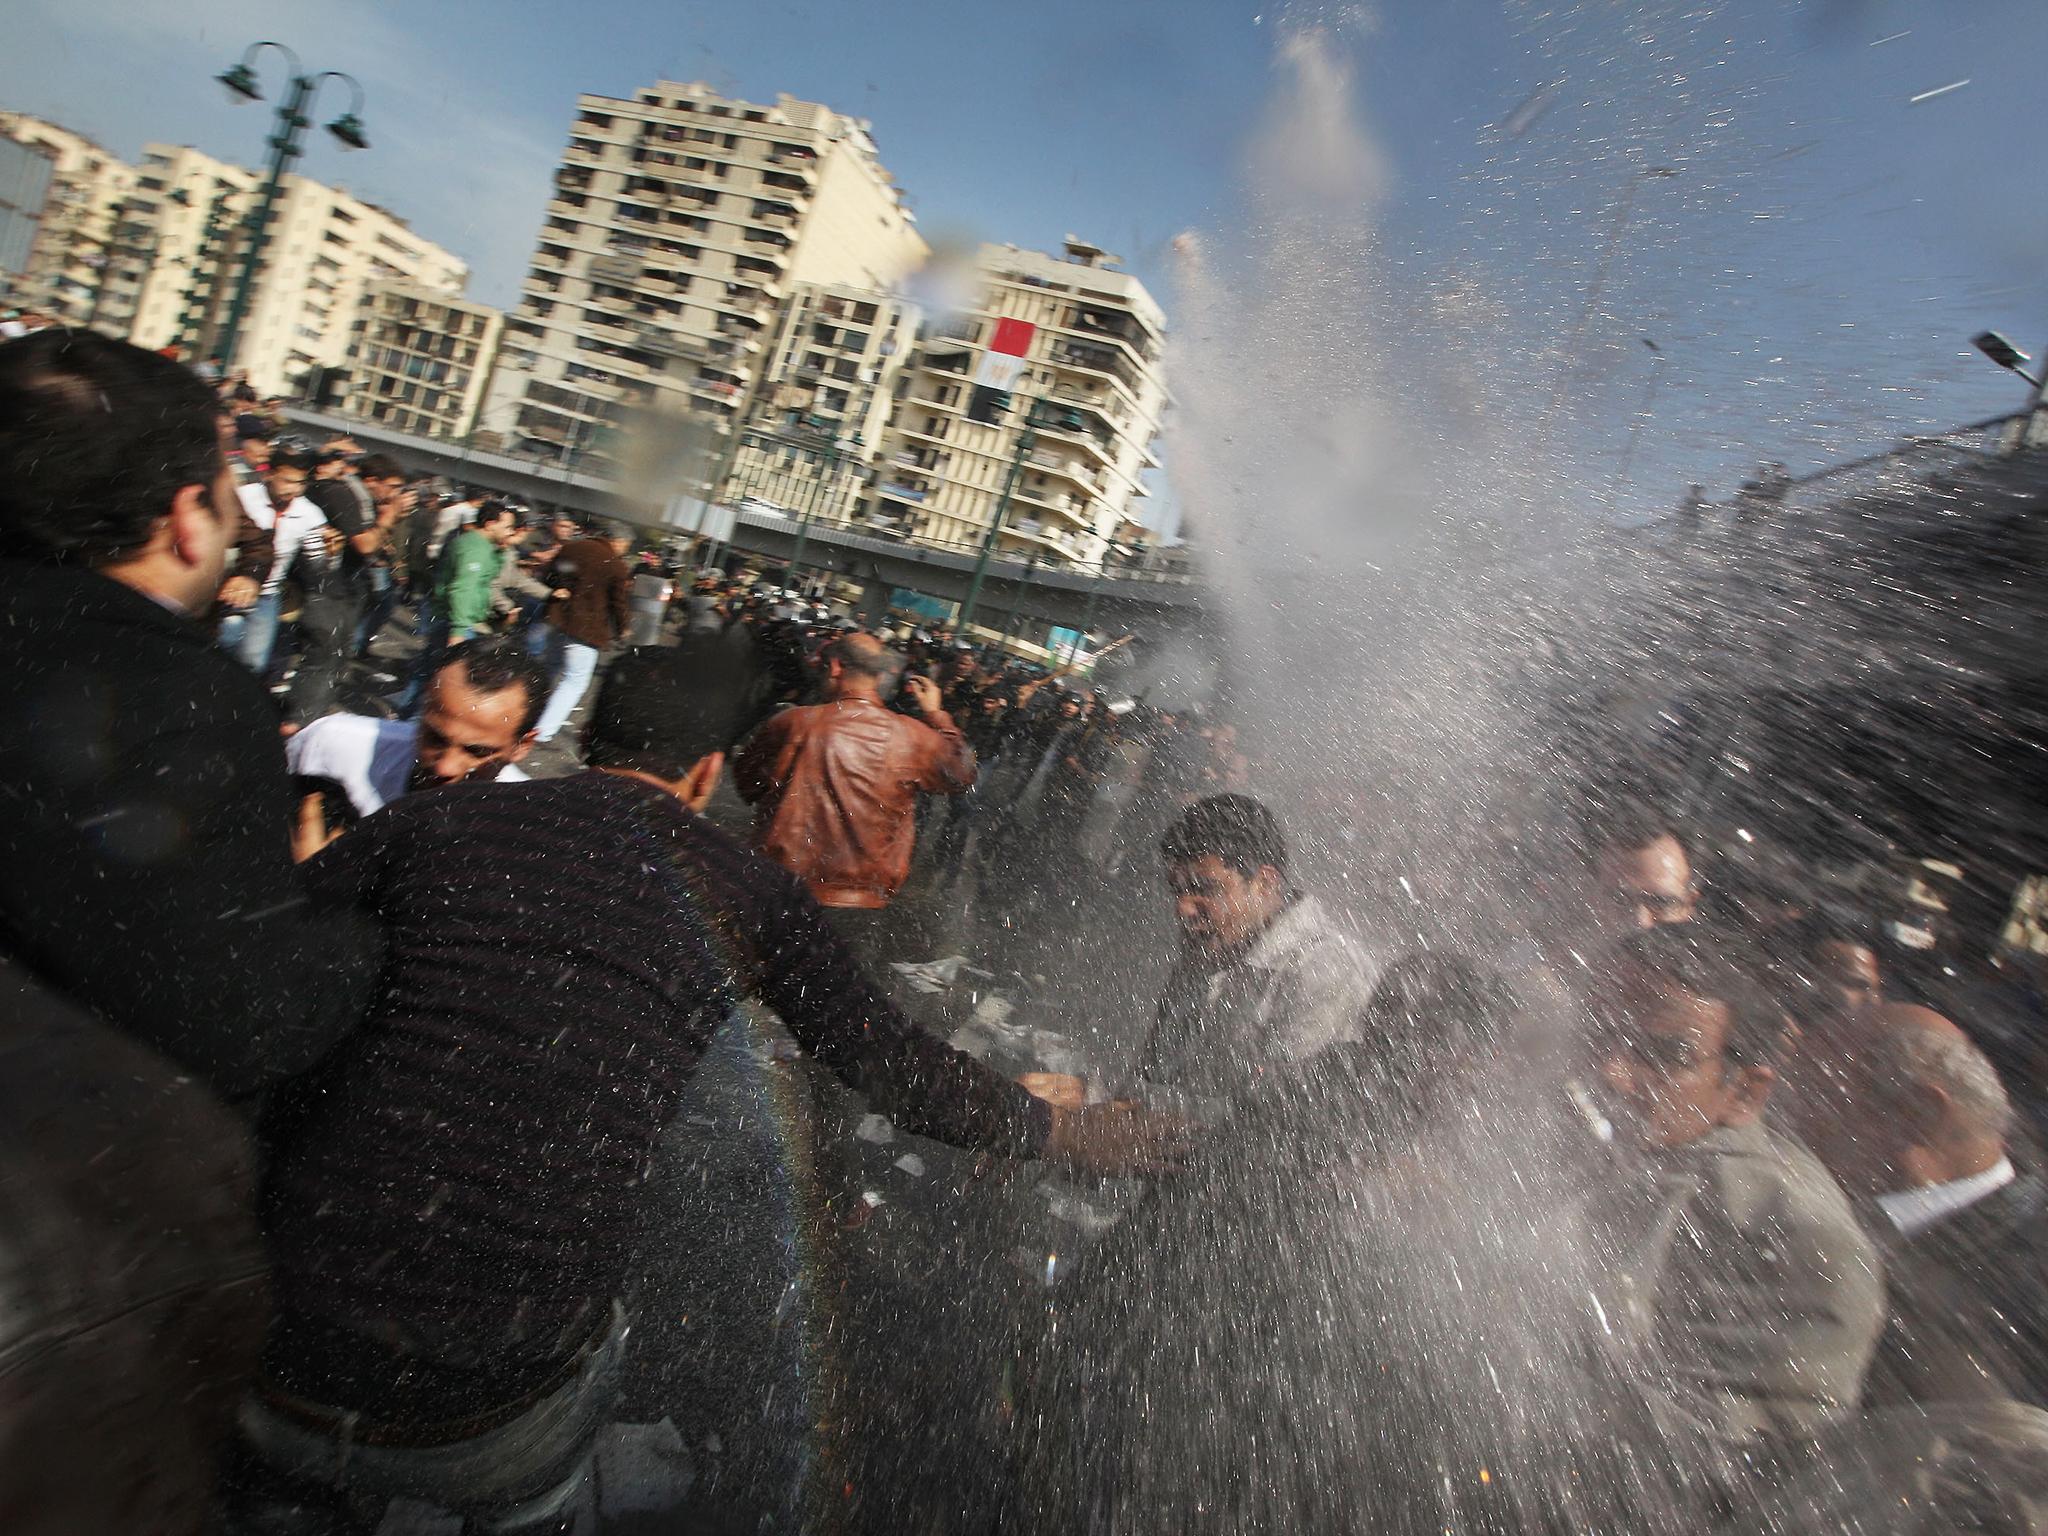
{"x": 145, "y": 861}
{"x": 451, "y": 1199}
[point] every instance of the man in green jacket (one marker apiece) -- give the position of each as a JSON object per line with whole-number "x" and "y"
{"x": 462, "y": 592}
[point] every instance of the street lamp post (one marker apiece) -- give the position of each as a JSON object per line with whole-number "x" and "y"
{"x": 2010, "y": 358}
{"x": 1635, "y": 427}
{"x": 1026, "y": 441}
{"x": 1624, "y": 213}
{"x": 828, "y": 459}
{"x": 1017, "y": 600}
{"x": 285, "y": 146}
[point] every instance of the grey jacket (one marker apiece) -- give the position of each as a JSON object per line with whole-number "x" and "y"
{"x": 1298, "y": 991}
{"x": 1740, "y": 1288}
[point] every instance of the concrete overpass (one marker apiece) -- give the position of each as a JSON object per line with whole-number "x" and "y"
{"x": 1158, "y": 597}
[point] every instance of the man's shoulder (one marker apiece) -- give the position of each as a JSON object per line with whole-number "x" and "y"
{"x": 1310, "y": 938}
{"x": 1772, "y": 1184}
{"x": 337, "y": 740}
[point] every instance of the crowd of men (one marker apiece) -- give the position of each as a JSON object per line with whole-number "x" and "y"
{"x": 345, "y": 1049}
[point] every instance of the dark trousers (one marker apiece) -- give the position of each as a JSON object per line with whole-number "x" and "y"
{"x": 380, "y": 596}
{"x": 327, "y": 628}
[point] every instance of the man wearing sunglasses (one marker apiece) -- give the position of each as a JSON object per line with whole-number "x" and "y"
{"x": 1741, "y": 1284}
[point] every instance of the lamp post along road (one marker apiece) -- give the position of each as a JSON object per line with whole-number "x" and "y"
{"x": 2033, "y": 428}
{"x": 286, "y": 145}
{"x": 1624, "y": 215}
{"x": 1026, "y": 441}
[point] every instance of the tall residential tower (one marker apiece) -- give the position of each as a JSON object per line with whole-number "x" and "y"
{"x": 680, "y": 220}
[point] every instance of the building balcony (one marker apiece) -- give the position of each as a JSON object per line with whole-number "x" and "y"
{"x": 1140, "y": 347}
{"x": 667, "y": 343}
{"x": 1073, "y": 508}
{"x": 1100, "y": 362}
{"x": 1080, "y": 474}
{"x": 1052, "y": 548}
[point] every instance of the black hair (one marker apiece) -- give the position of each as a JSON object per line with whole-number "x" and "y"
{"x": 1237, "y": 829}
{"x": 378, "y": 466}
{"x": 661, "y": 708}
{"x": 1722, "y": 966}
{"x": 494, "y": 664}
{"x": 490, "y": 512}
{"x": 1434, "y": 1018}
{"x": 97, "y": 438}
{"x": 290, "y": 454}
{"x": 1810, "y": 934}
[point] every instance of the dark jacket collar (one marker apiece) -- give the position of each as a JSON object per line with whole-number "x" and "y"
{"x": 38, "y": 593}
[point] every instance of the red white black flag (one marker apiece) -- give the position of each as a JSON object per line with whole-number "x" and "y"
{"x": 1003, "y": 364}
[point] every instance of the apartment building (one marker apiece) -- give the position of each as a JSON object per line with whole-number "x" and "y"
{"x": 324, "y": 247}
{"x": 191, "y": 207}
{"x": 420, "y": 359}
{"x": 680, "y": 221}
{"x": 79, "y": 243}
{"x": 812, "y": 438}
{"x": 26, "y": 171}
{"x": 1064, "y": 348}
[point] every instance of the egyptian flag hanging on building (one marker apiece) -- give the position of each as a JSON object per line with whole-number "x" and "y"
{"x": 1002, "y": 365}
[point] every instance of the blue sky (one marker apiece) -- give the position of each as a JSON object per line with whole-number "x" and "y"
{"x": 1812, "y": 273}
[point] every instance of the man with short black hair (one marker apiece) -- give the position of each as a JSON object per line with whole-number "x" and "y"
{"x": 390, "y": 502}
{"x": 463, "y": 587}
{"x": 585, "y": 618}
{"x": 1742, "y": 1280}
{"x": 144, "y": 866}
{"x": 452, "y": 1200}
{"x": 333, "y": 590}
{"x": 277, "y": 506}
{"x": 476, "y": 720}
{"x": 1265, "y": 979}
{"x": 1643, "y": 873}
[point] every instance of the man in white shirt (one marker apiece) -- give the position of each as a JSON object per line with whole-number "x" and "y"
{"x": 277, "y": 504}
{"x": 476, "y": 720}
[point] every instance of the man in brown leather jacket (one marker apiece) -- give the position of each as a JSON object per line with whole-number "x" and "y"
{"x": 834, "y": 786}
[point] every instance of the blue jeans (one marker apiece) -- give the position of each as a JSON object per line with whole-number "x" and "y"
{"x": 575, "y": 665}
{"x": 251, "y": 637}
{"x": 407, "y": 700}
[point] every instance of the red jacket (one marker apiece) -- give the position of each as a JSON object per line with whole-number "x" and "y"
{"x": 834, "y": 789}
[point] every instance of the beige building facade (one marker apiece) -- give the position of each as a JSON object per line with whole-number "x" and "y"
{"x": 194, "y": 206}
{"x": 1090, "y": 393}
{"x": 811, "y": 440}
{"x": 82, "y": 248}
{"x": 680, "y": 223}
{"x": 325, "y": 247}
{"x": 420, "y": 359}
